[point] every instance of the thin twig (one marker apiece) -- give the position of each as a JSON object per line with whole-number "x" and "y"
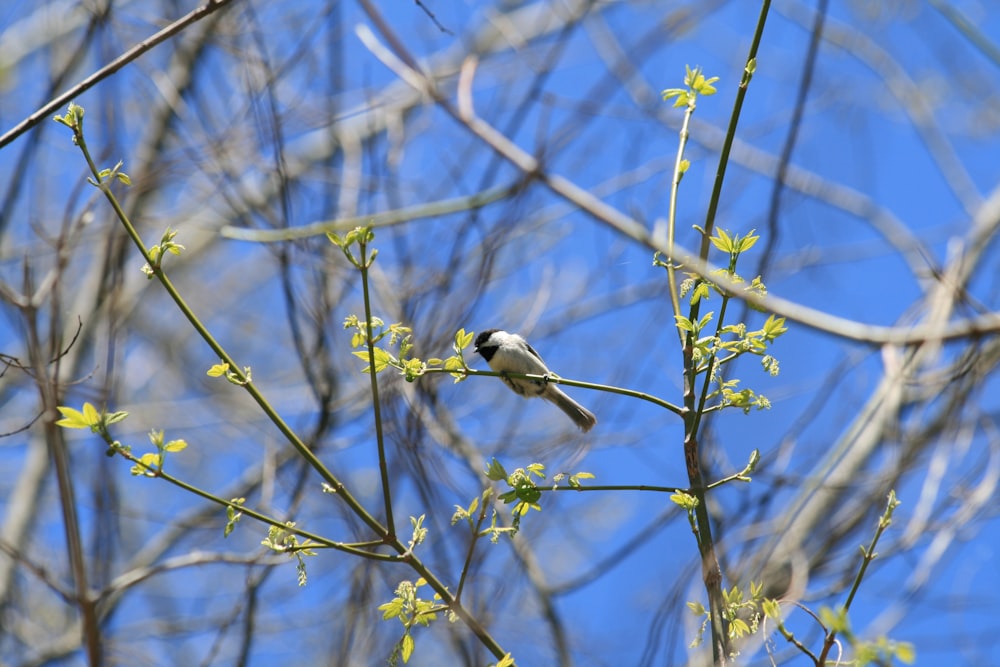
{"x": 118, "y": 63}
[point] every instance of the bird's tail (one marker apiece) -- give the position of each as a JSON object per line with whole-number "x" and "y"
{"x": 580, "y": 415}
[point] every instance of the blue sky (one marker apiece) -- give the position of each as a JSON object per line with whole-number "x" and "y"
{"x": 899, "y": 126}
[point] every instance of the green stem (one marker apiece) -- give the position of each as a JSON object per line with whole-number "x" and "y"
{"x": 469, "y": 372}
{"x": 727, "y": 144}
{"x": 703, "y": 399}
{"x": 672, "y": 212}
{"x": 354, "y": 549}
{"x": 617, "y": 487}
{"x": 867, "y": 557}
{"x": 711, "y": 571}
{"x": 472, "y": 547}
{"x": 383, "y": 465}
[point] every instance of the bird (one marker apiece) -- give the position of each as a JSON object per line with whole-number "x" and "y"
{"x": 510, "y": 353}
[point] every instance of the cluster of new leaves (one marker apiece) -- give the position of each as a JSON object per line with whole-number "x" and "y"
{"x": 742, "y": 613}
{"x": 715, "y": 345}
{"x": 89, "y": 417}
{"x": 223, "y": 369}
{"x": 356, "y": 240}
{"x": 474, "y": 515}
{"x": 149, "y": 464}
{"x": 411, "y": 610}
{"x": 695, "y": 84}
{"x": 284, "y": 541}
{"x": 409, "y": 367}
{"x": 524, "y": 491}
{"x": 156, "y": 253}
{"x": 369, "y": 332}
{"x": 233, "y": 515}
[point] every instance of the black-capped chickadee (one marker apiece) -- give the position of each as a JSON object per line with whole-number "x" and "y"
{"x": 509, "y": 353}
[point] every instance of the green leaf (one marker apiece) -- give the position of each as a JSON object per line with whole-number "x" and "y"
{"x": 704, "y": 86}
{"x": 175, "y": 446}
{"x": 522, "y": 508}
{"x": 217, "y": 370}
{"x": 683, "y": 323}
{"x": 690, "y": 74}
{"x": 774, "y": 327}
{"x": 391, "y": 609}
{"x": 114, "y": 417}
{"x": 722, "y": 241}
{"x": 90, "y": 414}
{"x": 685, "y": 500}
{"x": 457, "y": 366}
{"x": 495, "y": 471}
{"x": 701, "y": 291}
{"x": 905, "y": 652}
{"x": 382, "y": 359}
{"x": 748, "y": 241}
{"x": 738, "y": 628}
{"x": 406, "y": 647}
{"x": 149, "y": 463}
{"x": 672, "y": 92}
{"x": 530, "y": 495}
{"x": 72, "y": 418}
{"x": 697, "y": 608}
{"x": 463, "y": 339}
{"x": 232, "y": 516}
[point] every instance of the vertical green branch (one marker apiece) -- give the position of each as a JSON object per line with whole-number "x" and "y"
{"x": 362, "y": 236}
{"x": 710, "y": 569}
{"x": 837, "y": 621}
{"x": 689, "y": 329}
{"x": 687, "y": 97}
{"x": 696, "y": 84}
{"x": 727, "y": 145}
